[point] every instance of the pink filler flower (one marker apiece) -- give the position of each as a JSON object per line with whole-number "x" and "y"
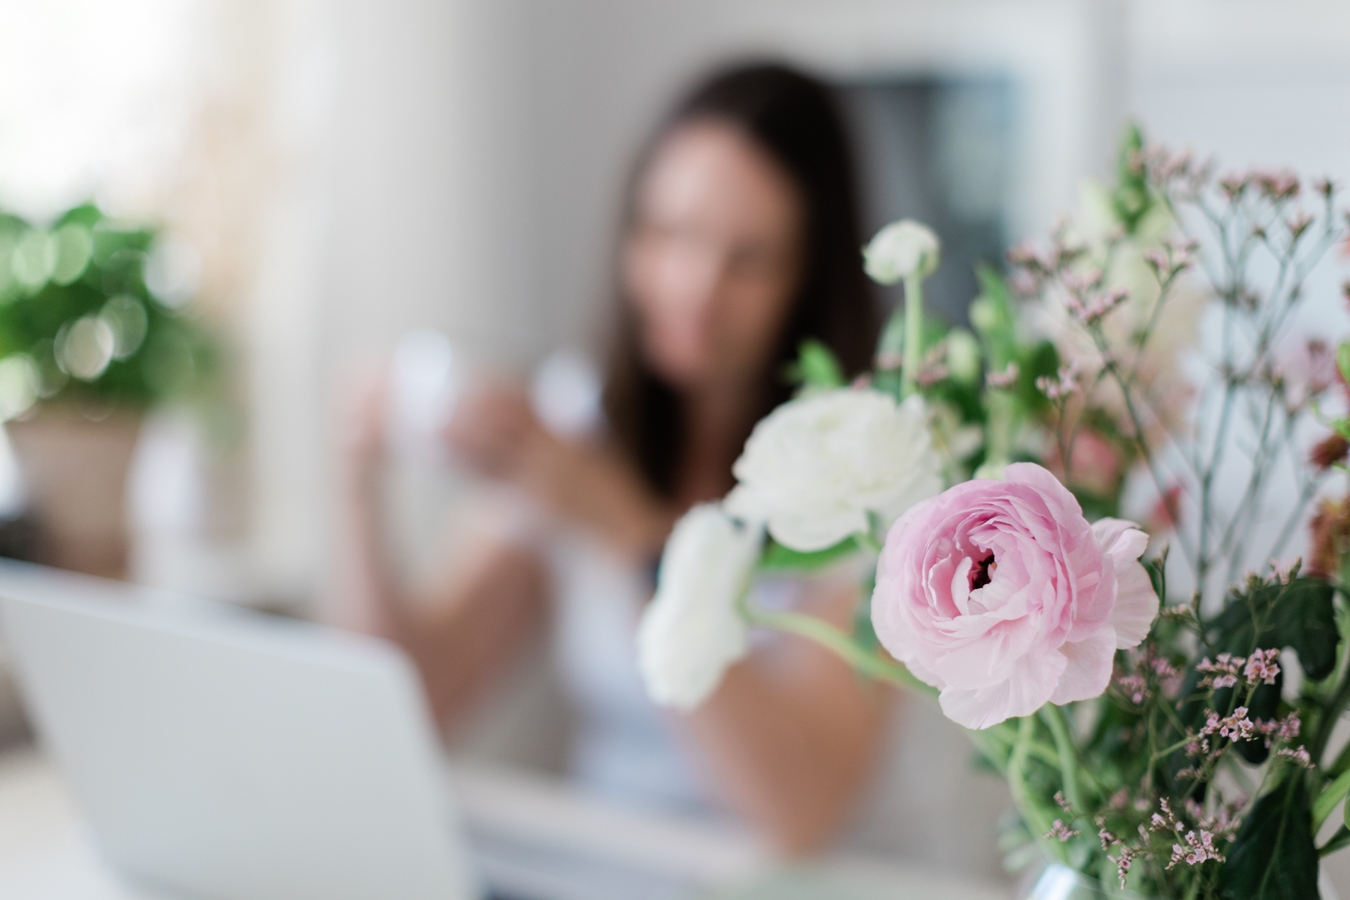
{"x": 1000, "y": 594}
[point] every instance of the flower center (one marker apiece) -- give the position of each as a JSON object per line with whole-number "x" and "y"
{"x": 982, "y": 572}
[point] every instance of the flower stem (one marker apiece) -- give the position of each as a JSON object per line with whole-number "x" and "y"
{"x": 1017, "y": 782}
{"x": 913, "y": 357}
{"x": 1068, "y": 762}
{"x": 871, "y": 664}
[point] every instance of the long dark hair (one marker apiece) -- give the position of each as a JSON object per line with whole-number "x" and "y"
{"x": 794, "y": 118}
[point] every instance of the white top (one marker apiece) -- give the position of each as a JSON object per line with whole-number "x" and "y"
{"x": 625, "y": 747}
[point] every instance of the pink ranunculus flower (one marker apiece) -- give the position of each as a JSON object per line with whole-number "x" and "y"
{"x": 1000, "y": 594}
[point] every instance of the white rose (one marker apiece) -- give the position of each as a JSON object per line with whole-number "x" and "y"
{"x": 814, "y": 467}
{"x": 902, "y": 249}
{"x": 691, "y": 631}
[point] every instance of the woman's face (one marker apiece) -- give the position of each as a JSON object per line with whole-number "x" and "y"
{"x": 713, "y": 261}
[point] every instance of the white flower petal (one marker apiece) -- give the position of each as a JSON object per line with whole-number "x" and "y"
{"x": 902, "y": 249}
{"x": 691, "y": 631}
{"x": 815, "y": 467}
{"x": 811, "y": 533}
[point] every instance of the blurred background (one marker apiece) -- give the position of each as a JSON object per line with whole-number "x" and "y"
{"x": 318, "y": 178}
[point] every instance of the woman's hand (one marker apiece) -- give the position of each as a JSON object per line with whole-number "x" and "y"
{"x": 496, "y": 433}
{"x": 361, "y": 422}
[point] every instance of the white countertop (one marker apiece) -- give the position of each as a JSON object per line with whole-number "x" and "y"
{"x": 45, "y": 852}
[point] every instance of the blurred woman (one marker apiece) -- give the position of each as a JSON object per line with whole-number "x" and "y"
{"x": 740, "y": 239}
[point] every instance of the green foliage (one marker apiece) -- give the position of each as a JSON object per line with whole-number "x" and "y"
{"x": 1132, "y": 199}
{"x": 1274, "y": 856}
{"x": 816, "y": 367}
{"x": 1300, "y": 614}
{"x": 80, "y": 321}
{"x": 777, "y": 558}
{"x": 991, "y": 314}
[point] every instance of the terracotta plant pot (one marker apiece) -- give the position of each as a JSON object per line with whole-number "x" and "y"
{"x": 75, "y": 475}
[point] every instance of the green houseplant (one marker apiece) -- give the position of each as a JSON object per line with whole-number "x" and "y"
{"x": 93, "y": 332}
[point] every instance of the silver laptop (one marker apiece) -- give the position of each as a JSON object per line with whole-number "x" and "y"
{"x": 225, "y": 754}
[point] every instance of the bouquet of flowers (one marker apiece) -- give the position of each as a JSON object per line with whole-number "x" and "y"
{"x": 1163, "y": 720}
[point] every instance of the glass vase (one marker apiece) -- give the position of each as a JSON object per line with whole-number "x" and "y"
{"x": 1059, "y": 882}
{"x": 1056, "y": 881}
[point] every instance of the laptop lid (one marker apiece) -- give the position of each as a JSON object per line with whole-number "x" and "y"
{"x": 229, "y": 754}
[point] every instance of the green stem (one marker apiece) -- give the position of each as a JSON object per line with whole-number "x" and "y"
{"x": 834, "y": 640}
{"x": 1017, "y": 783}
{"x": 1331, "y": 714}
{"x": 1327, "y": 800}
{"x": 913, "y": 357}
{"x": 1068, "y": 762}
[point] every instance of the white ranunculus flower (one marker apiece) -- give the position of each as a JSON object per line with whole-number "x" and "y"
{"x": 902, "y": 249}
{"x": 814, "y": 467}
{"x": 691, "y": 631}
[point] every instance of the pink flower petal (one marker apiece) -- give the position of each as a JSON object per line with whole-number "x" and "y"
{"x": 1059, "y": 597}
{"x": 1089, "y": 668}
{"x": 1022, "y": 694}
{"x": 1136, "y": 601}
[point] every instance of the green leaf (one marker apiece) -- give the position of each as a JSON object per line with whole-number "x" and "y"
{"x": 1336, "y": 841}
{"x": 991, "y": 316}
{"x": 816, "y": 367}
{"x": 1131, "y": 199}
{"x": 1343, "y": 360}
{"x": 1300, "y": 614}
{"x": 778, "y": 558}
{"x": 1275, "y": 855}
{"x": 1157, "y": 574}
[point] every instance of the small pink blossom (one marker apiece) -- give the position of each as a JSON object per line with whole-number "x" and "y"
{"x": 1127, "y": 855}
{"x": 1289, "y": 727}
{"x": 1298, "y": 756}
{"x": 1221, "y": 673}
{"x": 1261, "y": 667}
{"x": 885, "y": 362}
{"x": 1026, "y": 255}
{"x": 1236, "y": 727}
{"x": 1078, "y": 282}
{"x": 1278, "y": 185}
{"x": 1000, "y": 594}
{"x": 1005, "y": 379}
{"x": 1298, "y": 223}
{"x": 1198, "y": 847}
{"x": 1234, "y": 185}
{"x": 1096, "y": 306}
{"x": 1134, "y": 687}
{"x": 1158, "y": 262}
{"x": 1064, "y": 385}
{"x": 1060, "y": 831}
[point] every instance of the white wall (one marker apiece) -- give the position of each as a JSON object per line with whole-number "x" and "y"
{"x": 414, "y": 211}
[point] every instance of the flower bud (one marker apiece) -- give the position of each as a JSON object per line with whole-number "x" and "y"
{"x": 1330, "y": 451}
{"x": 901, "y": 250}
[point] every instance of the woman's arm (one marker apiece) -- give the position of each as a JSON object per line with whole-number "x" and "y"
{"x": 461, "y": 630}
{"x": 792, "y": 733}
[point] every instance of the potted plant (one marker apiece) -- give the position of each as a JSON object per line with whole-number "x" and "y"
{"x": 93, "y": 332}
